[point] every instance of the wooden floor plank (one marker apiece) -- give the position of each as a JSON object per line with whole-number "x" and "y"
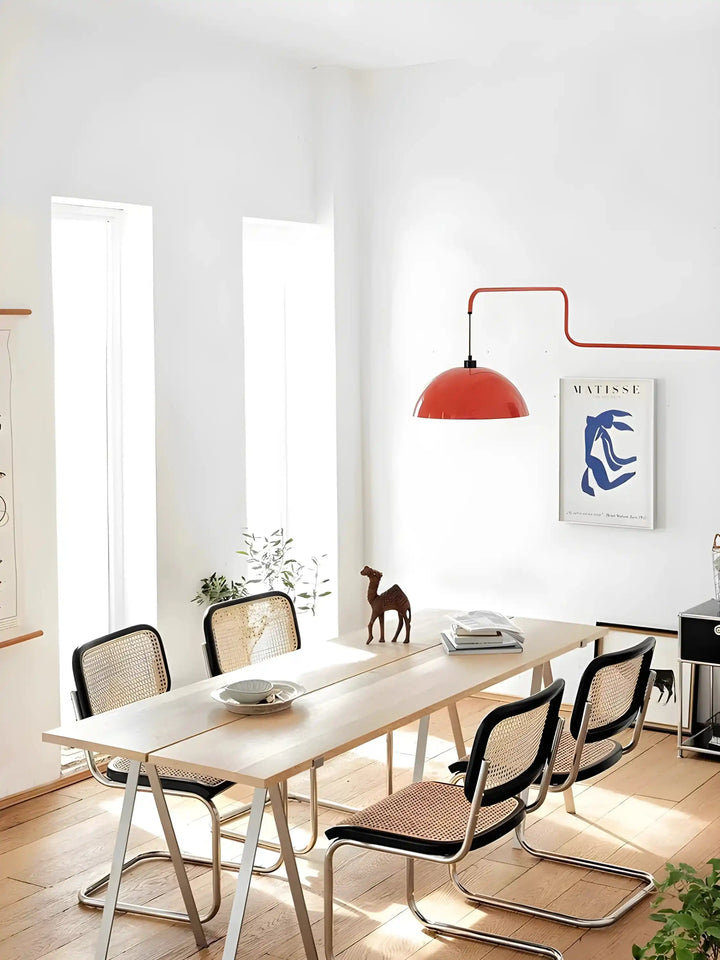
{"x": 647, "y": 774}
{"x": 30, "y": 809}
{"x": 13, "y": 890}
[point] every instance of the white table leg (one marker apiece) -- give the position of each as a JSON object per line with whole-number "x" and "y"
{"x": 121, "y": 842}
{"x": 252, "y": 836}
{"x": 538, "y": 675}
{"x": 457, "y": 731}
{"x": 175, "y": 855}
{"x": 294, "y": 883}
{"x": 421, "y": 749}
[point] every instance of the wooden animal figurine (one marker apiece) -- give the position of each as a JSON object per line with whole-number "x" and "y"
{"x": 391, "y": 599}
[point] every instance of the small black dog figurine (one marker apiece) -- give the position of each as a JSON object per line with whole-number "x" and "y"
{"x": 665, "y": 683}
{"x": 391, "y": 599}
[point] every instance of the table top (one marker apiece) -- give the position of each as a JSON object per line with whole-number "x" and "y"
{"x": 355, "y": 693}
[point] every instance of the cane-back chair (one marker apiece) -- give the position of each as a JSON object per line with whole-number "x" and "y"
{"x": 249, "y": 630}
{"x": 114, "y": 671}
{"x": 514, "y": 745}
{"x": 241, "y": 632}
{"x": 613, "y": 696}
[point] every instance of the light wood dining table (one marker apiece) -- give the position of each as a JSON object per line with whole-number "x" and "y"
{"x": 355, "y": 693}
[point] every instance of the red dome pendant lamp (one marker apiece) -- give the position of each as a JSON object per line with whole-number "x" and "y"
{"x": 470, "y": 392}
{"x": 478, "y": 393}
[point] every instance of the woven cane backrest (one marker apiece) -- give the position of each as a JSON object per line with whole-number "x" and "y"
{"x": 120, "y": 668}
{"x": 241, "y": 632}
{"x": 515, "y": 740}
{"x": 613, "y": 686}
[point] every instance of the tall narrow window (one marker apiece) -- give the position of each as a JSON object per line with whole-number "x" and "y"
{"x": 104, "y": 422}
{"x": 290, "y": 397}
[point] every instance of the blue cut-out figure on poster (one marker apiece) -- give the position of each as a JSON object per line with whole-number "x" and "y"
{"x": 597, "y": 429}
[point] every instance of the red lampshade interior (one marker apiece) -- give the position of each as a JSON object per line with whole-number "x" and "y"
{"x": 470, "y": 393}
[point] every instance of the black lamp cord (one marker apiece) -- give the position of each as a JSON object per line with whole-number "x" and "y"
{"x": 470, "y": 363}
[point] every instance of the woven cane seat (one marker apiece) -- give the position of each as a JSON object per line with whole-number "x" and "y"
{"x": 595, "y": 758}
{"x": 428, "y": 817}
{"x": 171, "y": 778}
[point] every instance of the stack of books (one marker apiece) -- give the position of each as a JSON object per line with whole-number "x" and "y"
{"x": 482, "y": 631}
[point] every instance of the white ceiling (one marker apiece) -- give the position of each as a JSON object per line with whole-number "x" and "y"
{"x": 362, "y": 33}
{"x": 375, "y": 34}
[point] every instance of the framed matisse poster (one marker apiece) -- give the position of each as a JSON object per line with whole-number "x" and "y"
{"x": 663, "y": 711}
{"x": 607, "y": 452}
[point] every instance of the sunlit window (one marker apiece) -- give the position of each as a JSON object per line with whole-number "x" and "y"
{"x": 104, "y": 422}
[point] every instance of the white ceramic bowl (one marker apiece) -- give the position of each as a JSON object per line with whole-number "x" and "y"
{"x": 249, "y": 691}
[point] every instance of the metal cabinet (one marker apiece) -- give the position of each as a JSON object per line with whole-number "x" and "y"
{"x": 700, "y": 648}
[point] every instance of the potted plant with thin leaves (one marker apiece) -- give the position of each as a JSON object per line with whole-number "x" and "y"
{"x": 217, "y": 587}
{"x": 692, "y": 929}
{"x": 271, "y": 566}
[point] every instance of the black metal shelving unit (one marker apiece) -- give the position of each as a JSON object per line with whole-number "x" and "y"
{"x": 699, "y": 631}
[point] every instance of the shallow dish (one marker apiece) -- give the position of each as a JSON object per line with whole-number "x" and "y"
{"x": 248, "y": 691}
{"x": 283, "y": 694}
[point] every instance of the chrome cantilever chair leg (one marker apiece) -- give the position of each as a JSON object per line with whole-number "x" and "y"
{"x": 432, "y": 926}
{"x": 467, "y": 933}
{"x": 568, "y": 919}
{"x": 85, "y": 896}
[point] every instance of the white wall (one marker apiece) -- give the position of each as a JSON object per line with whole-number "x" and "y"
{"x": 205, "y": 133}
{"x": 587, "y": 159}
